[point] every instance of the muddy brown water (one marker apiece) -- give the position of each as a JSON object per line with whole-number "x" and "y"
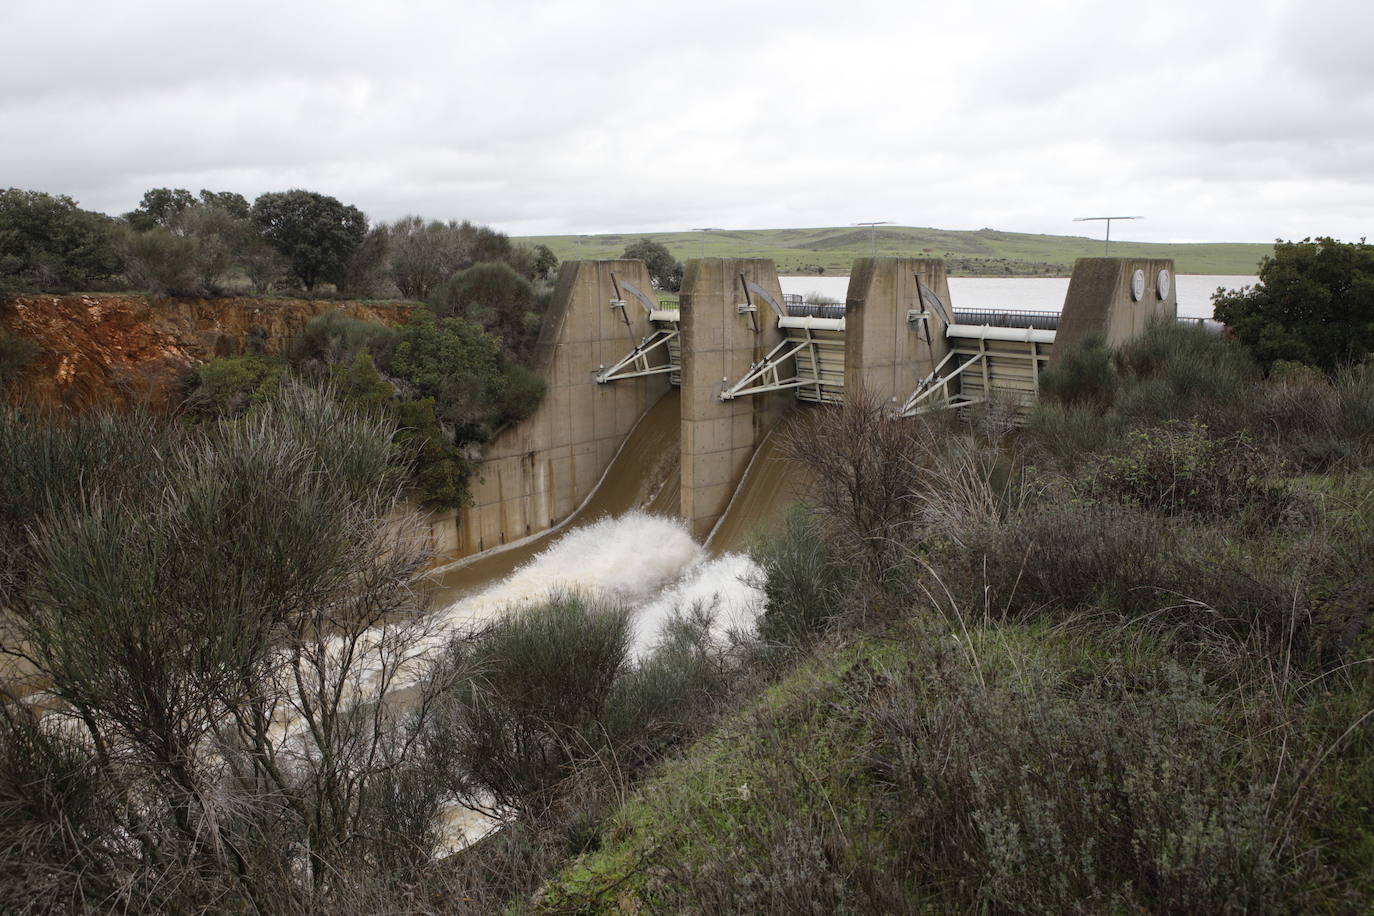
{"x": 771, "y": 483}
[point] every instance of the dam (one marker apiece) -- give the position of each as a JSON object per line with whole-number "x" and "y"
{"x": 677, "y": 408}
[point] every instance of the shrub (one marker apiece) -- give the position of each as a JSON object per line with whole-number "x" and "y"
{"x": 1181, "y": 468}
{"x": 216, "y": 620}
{"x": 494, "y": 296}
{"x": 1111, "y": 792}
{"x": 1312, "y": 304}
{"x": 864, "y": 464}
{"x": 523, "y": 391}
{"x": 1175, "y": 371}
{"x": 1068, "y": 434}
{"x": 16, "y": 353}
{"x": 441, "y": 470}
{"x": 804, "y": 583}
{"x": 529, "y": 692}
{"x": 231, "y": 387}
{"x": 1083, "y": 377}
{"x": 159, "y": 262}
{"x": 1064, "y": 557}
{"x": 663, "y": 697}
{"x": 335, "y": 338}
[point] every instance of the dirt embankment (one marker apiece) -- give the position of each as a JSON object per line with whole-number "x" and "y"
{"x": 118, "y": 350}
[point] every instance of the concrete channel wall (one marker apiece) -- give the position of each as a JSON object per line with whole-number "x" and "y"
{"x": 719, "y": 342}
{"x": 884, "y": 355}
{"x": 536, "y": 473}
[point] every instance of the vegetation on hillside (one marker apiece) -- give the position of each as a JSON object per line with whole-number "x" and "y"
{"x": 453, "y": 375}
{"x": 985, "y": 252}
{"x": 1009, "y": 681}
{"x": 989, "y": 675}
{"x": 444, "y": 382}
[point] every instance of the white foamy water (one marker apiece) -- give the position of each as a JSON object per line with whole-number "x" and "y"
{"x": 647, "y": 561}
{"x": 630, "y": 558}
{"x": 728, "y": 586}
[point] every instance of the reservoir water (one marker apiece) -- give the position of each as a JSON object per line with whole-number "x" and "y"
{"x": 1042, "y": 294}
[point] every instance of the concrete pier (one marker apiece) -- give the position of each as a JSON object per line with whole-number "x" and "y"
{"x": 885, "y": 355}
{"x": 720, "y": 342}
{"x": 1102, "y": 299}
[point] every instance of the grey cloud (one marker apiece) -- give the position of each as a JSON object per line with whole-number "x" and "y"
{"x": 1227, "y": 120}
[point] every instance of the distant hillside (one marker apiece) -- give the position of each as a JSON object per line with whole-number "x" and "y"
{"x": 980, "y": 253}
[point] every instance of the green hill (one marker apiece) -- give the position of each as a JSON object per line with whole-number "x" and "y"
{"x": 980, "y": 253}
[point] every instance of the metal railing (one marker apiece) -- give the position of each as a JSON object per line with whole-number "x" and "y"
{"x": 1008, "y": 318}
{"x": 815, "y": 310}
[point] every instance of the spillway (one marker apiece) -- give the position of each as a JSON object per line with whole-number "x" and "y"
{"x": 643, "y": 475}
{"x": 771, "y": 483}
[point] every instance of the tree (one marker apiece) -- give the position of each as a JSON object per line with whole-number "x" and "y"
{"x": 1314, "y": 304}
{"x": 664, "y": 269}
{"x": 158, "y": 208}
{"x": 364, "y": 274}
{"x": 492, "y": 295}
{"x": 232, "y": 203}
{"x": 315, "y": 233}
{"x": 545, "y": 262}
{"x": 158, "y": 261}
{"x": 49, "y": 243}
{"x": 424, "y": 254}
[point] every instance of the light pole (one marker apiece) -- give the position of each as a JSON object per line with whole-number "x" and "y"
{"x": 873, "y": 231}
{"x": 1108, "y": 241}
{"x": 703, "y": 238}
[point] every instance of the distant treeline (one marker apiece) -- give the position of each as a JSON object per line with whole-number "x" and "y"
{"x": 178, "y": 243}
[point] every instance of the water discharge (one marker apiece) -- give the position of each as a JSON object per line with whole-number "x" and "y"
{"x": 643, "y": 475}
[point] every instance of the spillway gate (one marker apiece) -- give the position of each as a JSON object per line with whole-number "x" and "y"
{"x": 658, "y": 352}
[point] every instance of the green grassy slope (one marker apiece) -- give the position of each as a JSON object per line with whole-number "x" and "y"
{"x": 980, "y": 253}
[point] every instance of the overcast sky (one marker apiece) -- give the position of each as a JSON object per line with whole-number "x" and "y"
{"x": 1218, "y": 120}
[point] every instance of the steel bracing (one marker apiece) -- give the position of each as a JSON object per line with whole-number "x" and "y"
{"x": 983, "y": 363}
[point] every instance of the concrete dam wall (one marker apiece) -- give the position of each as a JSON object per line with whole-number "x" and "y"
{"x": 745, "y": 357}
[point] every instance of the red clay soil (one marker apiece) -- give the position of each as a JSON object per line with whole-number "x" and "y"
{"x": 118, "y": 350}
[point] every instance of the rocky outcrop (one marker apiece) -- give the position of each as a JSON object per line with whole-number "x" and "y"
{"x": 118, "y": 350}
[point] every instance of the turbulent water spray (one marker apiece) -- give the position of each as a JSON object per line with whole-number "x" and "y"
{"x": 647, "y": 561}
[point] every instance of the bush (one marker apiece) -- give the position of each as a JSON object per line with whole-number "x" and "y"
{"x": 1069, "y": 434}
{"x": 663, "y": 698}
{"x": 1083, "y": 377}
{"x": 441, "y": 471}
{"x": 1311, "y": 305}
{"x": 804, "y": 583}
{"x": 1175, "y": 371}
{"x": 333, "y": 338}
{"x": 523, "y": 391}
{"x": 233, "y": 386}
{"x": 529, "y": 693}
{"x": 215, "y": 616}
{"x": 1033, "y": 792}
{"x": 16, "y": 353}
{"x": 1181, "y": 468}
{"x": 494, "y": 296}
{"x": 159, "y": 262}
{"x": 1061, "y": 557}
